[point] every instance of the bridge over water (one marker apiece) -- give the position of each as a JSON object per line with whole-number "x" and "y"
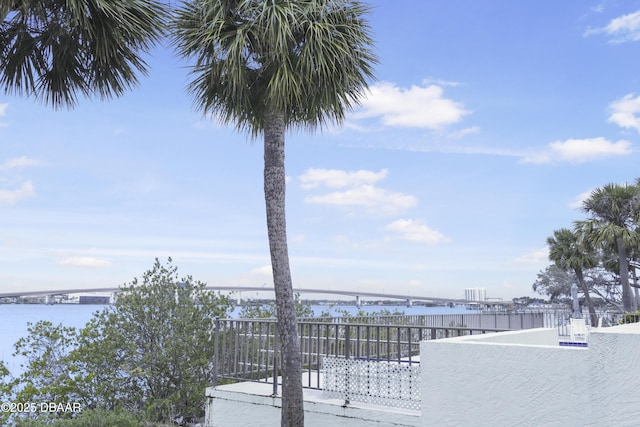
{"x": 356, "y": 294}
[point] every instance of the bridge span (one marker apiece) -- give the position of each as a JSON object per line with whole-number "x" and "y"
{"x": 356, "y": 294}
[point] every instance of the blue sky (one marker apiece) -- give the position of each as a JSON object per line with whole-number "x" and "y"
{"x": 487, "y": 125}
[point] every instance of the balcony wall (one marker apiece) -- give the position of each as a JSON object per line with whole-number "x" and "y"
{"x": 525, "y": 378}
{"x": 511, "y": 378}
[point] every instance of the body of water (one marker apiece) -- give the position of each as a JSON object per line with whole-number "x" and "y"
{"x": 14, "y": 319}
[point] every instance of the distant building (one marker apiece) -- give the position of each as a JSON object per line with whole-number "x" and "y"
{"x": 92, "y": 299}
{"x": 475, "y": 294}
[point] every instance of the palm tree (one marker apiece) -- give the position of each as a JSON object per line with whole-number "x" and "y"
{"x": 568, "y": 253}
{"x": 54, "y": 49}
{"x": 267, "y": 66}
{"x": 614, "y": 210}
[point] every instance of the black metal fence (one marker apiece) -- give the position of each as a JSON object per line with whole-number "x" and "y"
{"x": 248, "y": 349}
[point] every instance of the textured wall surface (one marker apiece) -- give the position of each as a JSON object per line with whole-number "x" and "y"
{"x": 519, "y": 379}
{"x": 249, "y": 405}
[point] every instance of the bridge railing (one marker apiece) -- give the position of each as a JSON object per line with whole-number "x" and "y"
{"x": 249, "y": 349}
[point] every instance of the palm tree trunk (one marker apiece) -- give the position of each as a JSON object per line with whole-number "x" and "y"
{"x": 627, "y": 298}
{"x": 292, "y": 414}
{"x": 587, "y": 298}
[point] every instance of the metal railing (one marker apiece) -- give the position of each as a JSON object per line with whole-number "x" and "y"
{"x": 249, "y": 350}
{"x": 559, "y": 318}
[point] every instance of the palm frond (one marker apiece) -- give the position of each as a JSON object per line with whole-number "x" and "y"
{"x": 310, "y": 59}
{"x": 615, "y": 203}
{"x": 55, "y": 50}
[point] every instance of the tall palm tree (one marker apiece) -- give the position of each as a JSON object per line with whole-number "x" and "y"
{"x": 614, "y": 209}
{"x": 267, "y": 66}
{"x": 55, "y": 49}
{"x": 568, "y": 253}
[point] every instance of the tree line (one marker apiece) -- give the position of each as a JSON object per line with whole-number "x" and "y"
{"x": 148, "y": 357}
{"x": 600, "y": 253}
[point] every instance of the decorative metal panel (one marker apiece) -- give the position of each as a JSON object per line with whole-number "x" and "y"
{"x": 395, "y": 384}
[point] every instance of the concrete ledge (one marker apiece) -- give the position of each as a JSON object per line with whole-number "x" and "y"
{"x": 527, "y": 337}
{"x": 251, "y": 405}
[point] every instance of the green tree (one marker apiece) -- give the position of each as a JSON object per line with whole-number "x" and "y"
{"x": 89, "y": 418}
{"x": 50, "y": 373}
{"x": 268, "y": 311}
{"x": 5, "y": 390}
{"x": 55, "y": 49}
{"x": 568, "y": 252}
{"x": 268, "y": 66}
{"x": 150, "y": 354}
{"x": 554, "y": 282}
{"x": 614, "y": 209}
{"x": 155, "y": 345}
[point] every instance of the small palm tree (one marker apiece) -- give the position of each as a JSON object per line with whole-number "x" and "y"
{"x": 55, "y": 49}
{"x": 267, "y": 66}
{"x": 614, "y": 209}
{"x": 568, "y": 253}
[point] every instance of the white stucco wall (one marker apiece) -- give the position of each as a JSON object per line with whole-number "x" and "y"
{"x": 525, "y": 378}
{"x": 250, "y": 405}
{"x": 521, "y": 378}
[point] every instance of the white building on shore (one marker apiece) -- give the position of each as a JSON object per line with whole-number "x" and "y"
{"x": 475, "y": 294}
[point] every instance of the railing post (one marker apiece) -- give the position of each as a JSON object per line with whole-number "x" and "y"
{"x": 347, "y": 341}
{"x": 276, "y": 347}
{"x": 216, "y": 336}
{"x": 347, "y": 355}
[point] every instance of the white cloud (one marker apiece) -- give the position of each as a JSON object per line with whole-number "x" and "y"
{"x": 440, "y": 82}
{"x": 9, "y": 197}
{"x": 580, "y": 198}
{"x": 375, "y": 199}
{"x": 341, "y": 239}
{"x": 89, "y": 262}
{"x": 535, "y": 256}
{"x": 265, "y": 271}
{"x": 3, "y": 111}
{"x": 262, "y": 275}
{"x": 580, "y": 150}
{"x": 298, "y": 238}
{"x": 418, "y": 106}
{"x": 416, "y": 231}
{"x": 624, "y": 112}
{"x": 359, "y": 192}
{"x": 625, "y": 28}
{"x": 334, "y": 178}
{"x": 18, "y": 163}
{"x": 459, "y": 134}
